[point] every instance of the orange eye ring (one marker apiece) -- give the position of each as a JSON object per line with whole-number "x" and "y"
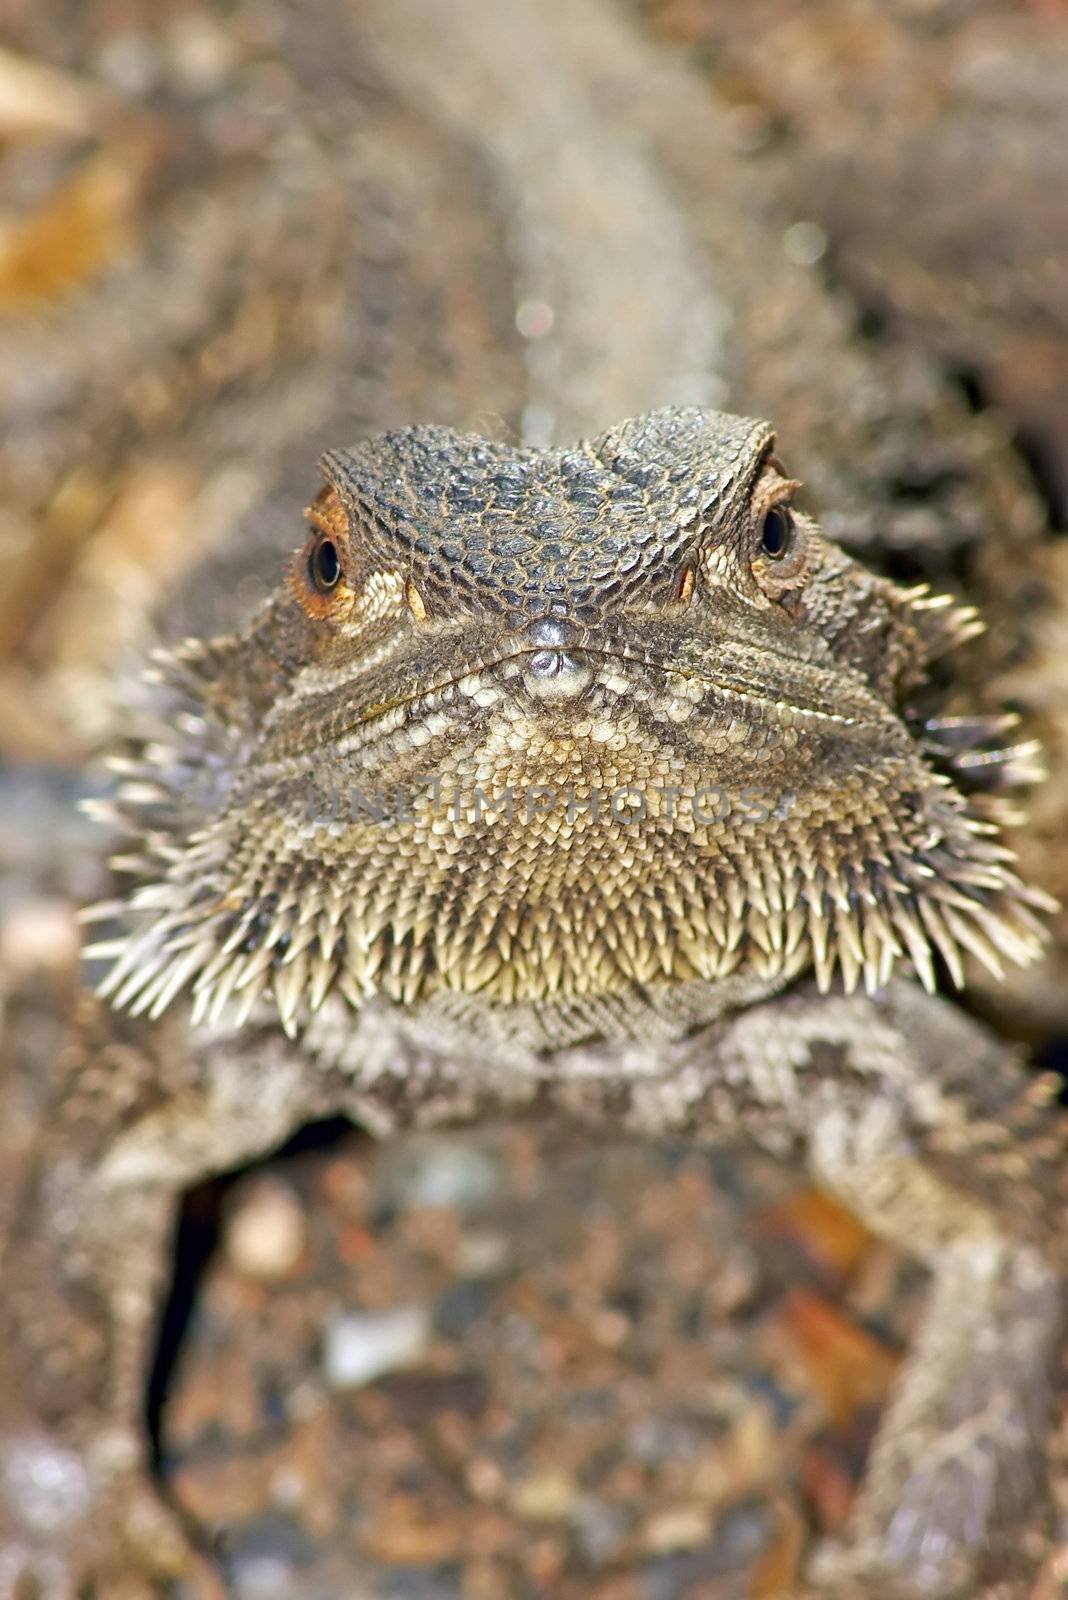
{"x": 317, "y": 571}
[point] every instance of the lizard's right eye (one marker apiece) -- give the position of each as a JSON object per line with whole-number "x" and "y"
{"x": 324, "y": 566}
{"x": 776, "y": 532}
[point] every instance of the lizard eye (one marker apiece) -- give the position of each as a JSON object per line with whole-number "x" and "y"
{"x": 785, "y": 550}
{"x": 324, "y": 566}
{"x": 776, "y": 532}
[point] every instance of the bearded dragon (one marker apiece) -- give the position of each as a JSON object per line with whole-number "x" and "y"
{"x": 579, "y": 645}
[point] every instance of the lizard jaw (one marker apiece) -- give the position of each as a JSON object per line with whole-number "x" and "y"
{"x": 224, "y": 917}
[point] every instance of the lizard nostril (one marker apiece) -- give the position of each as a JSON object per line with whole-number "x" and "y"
{"x": 553, "y": 674}
{"x": 547, "y": 663}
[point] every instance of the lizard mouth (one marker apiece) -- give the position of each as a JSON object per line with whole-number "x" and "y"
{"x": 736, "y": 686}
{"x": 553, "y": 665}
{"x": 556, "y": 674}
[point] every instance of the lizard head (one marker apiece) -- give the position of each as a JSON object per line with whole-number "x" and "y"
{"x": 559, "y": 728}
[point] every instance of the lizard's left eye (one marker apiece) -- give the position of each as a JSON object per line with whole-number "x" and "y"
{"x": 324, "y": 566}
{"x": 777, "y": 532}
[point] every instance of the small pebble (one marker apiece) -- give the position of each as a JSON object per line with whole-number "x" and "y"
{"x": 484, "y": 1478}
{"x": 544, "y": 1496}
{"x": 677, "y": 1528}
{"x": 265, "y": 1235}
{"x": 288, "y": 1487}
{"x": 263, "y": 1578}
{"x": 442, "y": 1173}
{"x": 534, "y": 318}
{"x": 482, "y": 1255}
{"x": 129, "y": 62}
{"x": 201, "y": 52}
{"x": 805, "y": 243}
{"x": 600, "y": 1529}
{"x": 361, "y": 1346}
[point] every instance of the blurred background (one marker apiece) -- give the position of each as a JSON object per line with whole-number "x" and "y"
{"x": 504, "y": 1365}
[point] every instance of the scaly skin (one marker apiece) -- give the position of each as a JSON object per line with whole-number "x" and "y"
{"x": 642, "y": 615}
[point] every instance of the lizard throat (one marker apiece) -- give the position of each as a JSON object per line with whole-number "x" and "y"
{"x": 563, "y": 908}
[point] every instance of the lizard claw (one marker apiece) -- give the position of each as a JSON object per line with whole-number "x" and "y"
{"x": 86, "y": 1525}
{"x": 863, "y": 1572}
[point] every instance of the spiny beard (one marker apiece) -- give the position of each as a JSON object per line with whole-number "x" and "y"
{"x": 235, "y": 906}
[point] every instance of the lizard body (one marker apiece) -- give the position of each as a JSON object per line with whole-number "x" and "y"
{"x": 643, "y": 615}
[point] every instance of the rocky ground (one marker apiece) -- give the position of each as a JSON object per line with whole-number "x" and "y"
{"x": 514, "y": 1366}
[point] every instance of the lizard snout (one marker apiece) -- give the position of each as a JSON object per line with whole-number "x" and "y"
{"x": 554, "y": 670}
